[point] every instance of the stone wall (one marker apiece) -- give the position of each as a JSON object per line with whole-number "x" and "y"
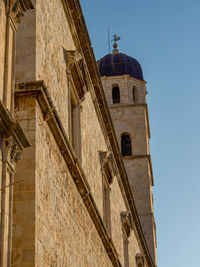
{"x": 2, "y": 44}
{"x": 2, "y": 49}
{"x": 23, "y": 245}
{"x": 139, "y": 174}
{"x": 138, "y": 171}
{"x": 92, "y": 142}
{"x": 132, "y": 120}
{"x": 53, "y": 39}
{"x": 65, "y": 233}
{"x": 51, "y": 224}
{"x": 42, "y": 39}
{"x": 26, "y": 48}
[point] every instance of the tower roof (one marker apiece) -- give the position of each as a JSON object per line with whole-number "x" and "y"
{"x": 117, "y": 64}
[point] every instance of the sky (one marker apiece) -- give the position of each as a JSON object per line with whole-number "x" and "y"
{"x": 164, "y": 36}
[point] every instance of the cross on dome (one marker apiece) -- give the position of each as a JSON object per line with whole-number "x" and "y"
{"x": 115, "y": 39}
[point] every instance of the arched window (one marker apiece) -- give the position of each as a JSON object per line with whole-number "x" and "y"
{"x": 115, "y": 95}
{"x": 126, "y": 147}
{"x": 134, "y": 94}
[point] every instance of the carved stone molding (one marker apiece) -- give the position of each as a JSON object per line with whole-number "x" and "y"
{"x": 139, "y": 260}
{"x": 76, "y": 72}
{"x": 12, "y": 134}
{"x": 107, "y": 165}
{"x": 17, "y": 8}
{"x": 72, "y": 56}
{"x": 126, "y": 223}
{"x": 12, "y": 151}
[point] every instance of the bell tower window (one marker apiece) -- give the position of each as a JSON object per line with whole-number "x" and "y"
{"x": 134, "y": 94}
{"x": 126, "y": 147}
{"x": 116, "y": 94}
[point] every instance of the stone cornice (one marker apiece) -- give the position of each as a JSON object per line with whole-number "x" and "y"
{"x": 122, "y": 77}
{"x": 9, "y": 127}
{"x": 39, "y": 90}
{"x": 144, "y": 105}
{"x": 83, "y": 44}
{"x": 148, "y": 157}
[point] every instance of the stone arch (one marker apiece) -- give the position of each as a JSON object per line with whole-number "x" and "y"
{"x": 128, "y": 125}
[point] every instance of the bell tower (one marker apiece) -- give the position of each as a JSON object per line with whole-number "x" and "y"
{"x": 125, "y": 91}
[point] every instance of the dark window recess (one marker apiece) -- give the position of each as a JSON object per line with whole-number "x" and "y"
{"x": 126, "y": 145}
{"x": 116, "y": 95}
{"x": 133, "y": 94}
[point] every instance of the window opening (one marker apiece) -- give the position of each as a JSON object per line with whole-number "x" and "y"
{"x": 134, "y": 94}
{"x": 126, "y": 147}
{"x": 116, "y": 95}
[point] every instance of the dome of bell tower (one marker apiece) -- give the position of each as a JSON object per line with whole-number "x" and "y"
{"x": 117, "y": 64}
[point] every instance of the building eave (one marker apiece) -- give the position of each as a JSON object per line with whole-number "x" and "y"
{"x": 122, "y": 77}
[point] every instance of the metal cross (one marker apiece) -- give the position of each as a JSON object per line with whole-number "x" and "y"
{"x": 115, "y": 38}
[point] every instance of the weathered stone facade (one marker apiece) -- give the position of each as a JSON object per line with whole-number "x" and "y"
{"x": 67, "y": 202}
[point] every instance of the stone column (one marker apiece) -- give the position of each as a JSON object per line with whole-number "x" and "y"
{"x": 10, "y": 155}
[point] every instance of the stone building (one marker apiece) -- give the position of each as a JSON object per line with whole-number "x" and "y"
{"x": 68, "y": 196}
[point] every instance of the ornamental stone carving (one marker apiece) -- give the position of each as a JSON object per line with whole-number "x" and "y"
{"x": 107, "y": 165}
{"x": 126, "y": 222}
{"x": 15, "y": 153}
{"x": 17, "y": 9}
{"x": 139, "y": 260}
{"x": 76, "y": 71}
{"x": 12, "y": 151}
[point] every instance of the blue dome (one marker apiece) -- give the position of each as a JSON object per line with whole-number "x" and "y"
{"x": 120, "y": 64}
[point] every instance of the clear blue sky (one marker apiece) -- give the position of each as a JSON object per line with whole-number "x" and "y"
{"x": 164, "y": 36}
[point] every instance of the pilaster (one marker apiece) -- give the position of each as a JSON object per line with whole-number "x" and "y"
{"x": 15, "y": 10}
{"x": 12, "y": 137}
{"x": 12, "y": 143}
